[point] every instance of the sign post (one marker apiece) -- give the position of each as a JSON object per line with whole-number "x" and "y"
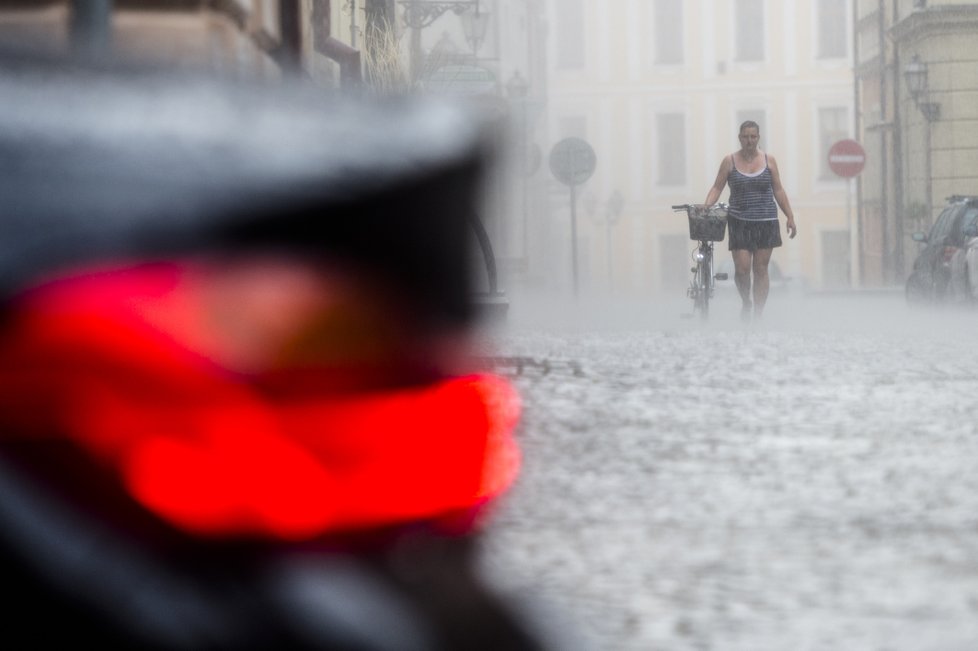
{"x": 847, "y": 159}
{"x": 572, "y": 162}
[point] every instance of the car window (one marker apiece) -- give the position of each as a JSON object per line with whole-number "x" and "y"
{"x": 943, "y": 224}
{"x": 970, "y": 220}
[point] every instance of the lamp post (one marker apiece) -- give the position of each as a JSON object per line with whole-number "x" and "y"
{"x": 516, "y": 89}
{"x": 915, "y": 75}
{"x": 612, "y": 212}
{"x": 616, "y": 202}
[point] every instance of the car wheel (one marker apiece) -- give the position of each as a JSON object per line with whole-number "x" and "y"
{"x": 942, "y": 291}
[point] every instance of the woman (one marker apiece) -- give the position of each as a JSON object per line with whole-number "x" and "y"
{"x": 756, "y": 194}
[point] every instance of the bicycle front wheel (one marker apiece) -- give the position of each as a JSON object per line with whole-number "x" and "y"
{"x": 702, "y": 302}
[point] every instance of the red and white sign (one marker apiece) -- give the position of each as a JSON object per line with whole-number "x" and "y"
{"x": 847, "y": 158}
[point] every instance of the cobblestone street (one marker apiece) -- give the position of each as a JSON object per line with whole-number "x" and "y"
{"x": 803, "y": 483}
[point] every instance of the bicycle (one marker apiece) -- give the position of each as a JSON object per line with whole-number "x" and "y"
{"x": 706, "y": 226}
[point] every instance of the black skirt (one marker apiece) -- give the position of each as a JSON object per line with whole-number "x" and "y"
{"x": 751, "y": 235}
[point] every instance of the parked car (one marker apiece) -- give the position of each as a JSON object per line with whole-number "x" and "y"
{"x": 970, "y": 273}
{"x": 943, "y": 271}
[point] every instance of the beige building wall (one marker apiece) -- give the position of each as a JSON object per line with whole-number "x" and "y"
{"x": 660, "y": 128}
{"x": 935, "y": 155}
{"x": 952, "y": 73}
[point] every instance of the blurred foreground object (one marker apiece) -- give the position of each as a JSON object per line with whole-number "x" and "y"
{"x": 236, "y": 409}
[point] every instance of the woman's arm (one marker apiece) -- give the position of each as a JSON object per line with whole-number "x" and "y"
{"x": 714, "y": 193}
{"x": 781, "y": 196}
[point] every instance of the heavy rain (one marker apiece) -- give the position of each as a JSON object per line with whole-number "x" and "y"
{"x": 761, "y": 449}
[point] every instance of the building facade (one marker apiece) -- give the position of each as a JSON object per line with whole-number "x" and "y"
{"x": 487, "y": 52}
{"x": 917, "y": 82}
{"x": 244, "y": 38}
{"x": 659, "y": 88}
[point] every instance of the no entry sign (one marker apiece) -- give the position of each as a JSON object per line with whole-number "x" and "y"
{"x": 847, "y": 158}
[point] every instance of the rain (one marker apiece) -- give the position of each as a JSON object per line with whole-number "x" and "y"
{"x": 797, "y": 478}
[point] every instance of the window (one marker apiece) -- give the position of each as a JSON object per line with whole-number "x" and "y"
{"x": 833, "y": 125}
{"x": 749, "y": 23}
{"x": 569, "y": 24}
{"x": 668, "y": 30}
{"x": 942, "y": 227}
{"x": 832, "y": 40}
{"x": 969, "y": 222}
{"x": 671, "y": 132}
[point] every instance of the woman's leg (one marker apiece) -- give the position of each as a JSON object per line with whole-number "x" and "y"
{"x": 762, "y": 282}
{"x": 742, "y": 268}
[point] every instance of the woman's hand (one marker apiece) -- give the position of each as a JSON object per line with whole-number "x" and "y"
{"x": 792, "y": 229}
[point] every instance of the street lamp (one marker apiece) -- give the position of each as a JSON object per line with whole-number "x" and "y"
{"x": 517, "y": 89}
{"x": 474, "y": 26}
{"x": 517, "y": 86}
{"x": 915, "y": 74}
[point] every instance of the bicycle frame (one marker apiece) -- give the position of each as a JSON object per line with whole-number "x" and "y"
{"x": 703, "y": 283}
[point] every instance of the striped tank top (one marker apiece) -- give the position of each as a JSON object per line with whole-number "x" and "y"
{"x": 751, "y": 195}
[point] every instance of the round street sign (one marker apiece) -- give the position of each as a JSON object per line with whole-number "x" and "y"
{"x": 847, "y": 158}
{"x": 572, "y": 161}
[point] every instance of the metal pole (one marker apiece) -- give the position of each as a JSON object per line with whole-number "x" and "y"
{"x": 854, "y": 278}
{"x": 523, "y": 180}
{"x": 573, "y": 212}
{"x": 899, "y": 147}
{"x": 929, "y": 187}
{"x": 415, "y": 63}
{"x": 886, "y": 138}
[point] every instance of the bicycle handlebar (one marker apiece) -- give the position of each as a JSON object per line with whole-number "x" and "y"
{"x": 687, "y": 206}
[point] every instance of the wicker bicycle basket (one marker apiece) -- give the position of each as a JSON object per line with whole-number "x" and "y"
{"x": 707, "y": 223}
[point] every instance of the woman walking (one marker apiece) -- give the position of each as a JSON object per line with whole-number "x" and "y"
{"x": 754, "y": 232}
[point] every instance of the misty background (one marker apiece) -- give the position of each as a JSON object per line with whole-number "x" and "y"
{"x": 656, "y": 88}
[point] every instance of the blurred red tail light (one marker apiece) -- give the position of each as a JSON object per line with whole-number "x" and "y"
{"x": 209, "y": 449}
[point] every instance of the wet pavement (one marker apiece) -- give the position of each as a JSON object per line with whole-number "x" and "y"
{"x": 806, "y": 482}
